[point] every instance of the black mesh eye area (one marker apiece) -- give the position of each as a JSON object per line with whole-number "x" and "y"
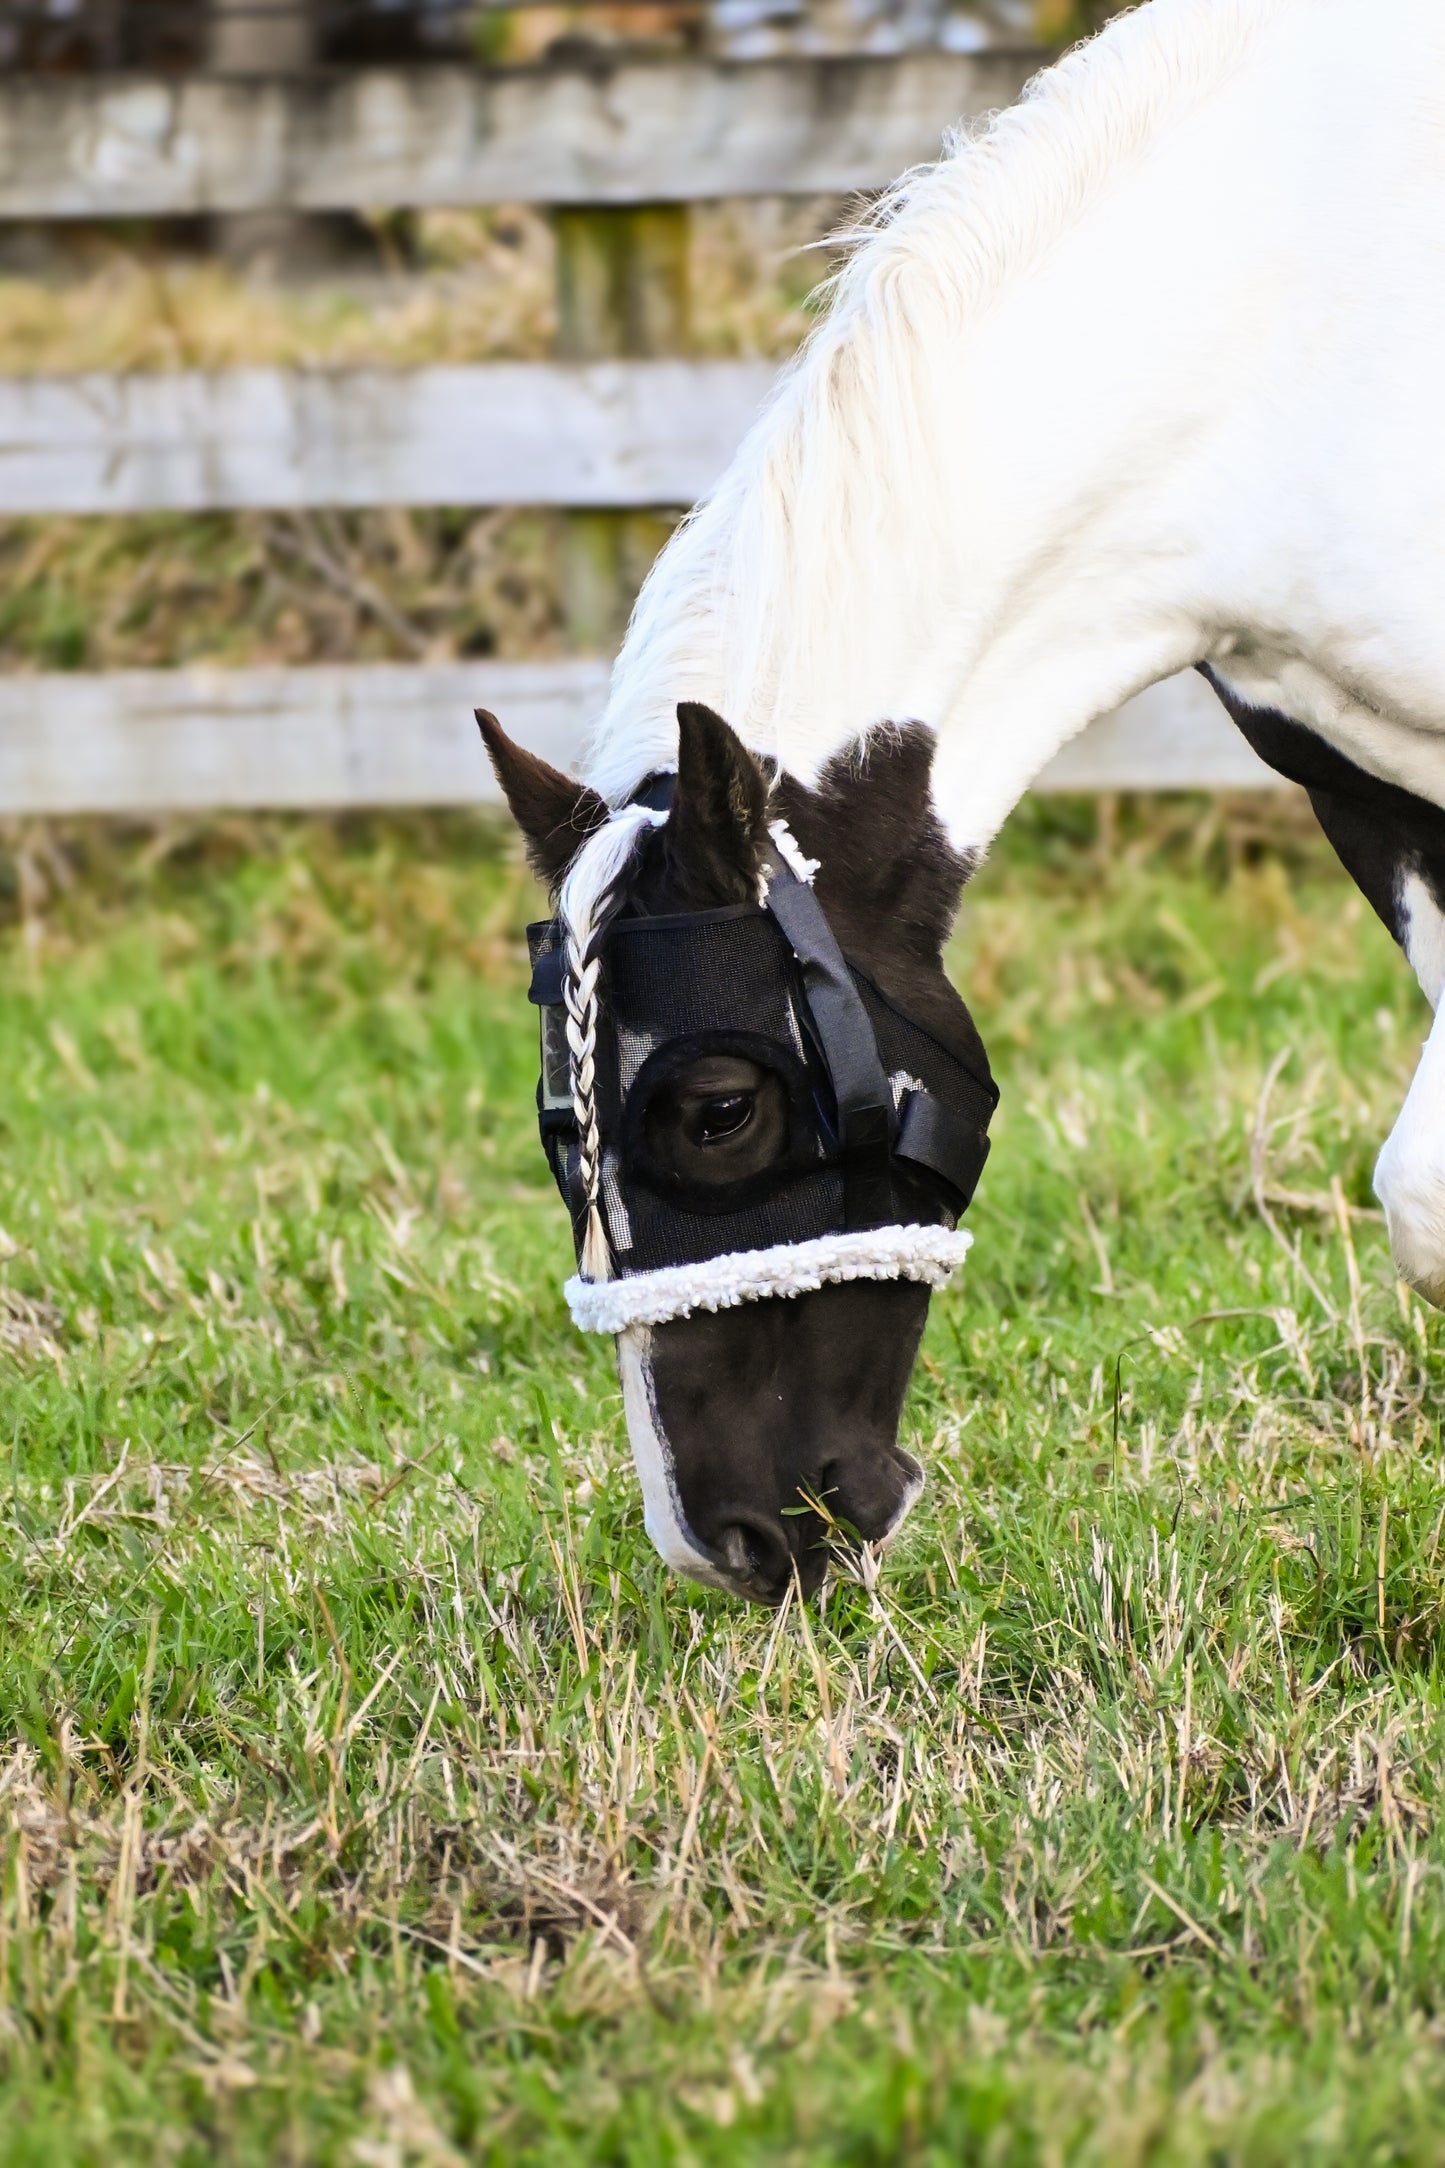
{"x": 661, "y": 1134}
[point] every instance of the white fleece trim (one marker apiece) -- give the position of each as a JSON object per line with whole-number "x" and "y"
{"x": 791, "y": 852}
{"x": 929, "y": 1254}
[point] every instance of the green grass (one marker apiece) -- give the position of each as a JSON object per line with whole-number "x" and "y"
{"x": 369, "y": 1792}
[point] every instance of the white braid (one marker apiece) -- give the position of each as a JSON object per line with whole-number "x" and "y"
{"x": 586, "y": 907}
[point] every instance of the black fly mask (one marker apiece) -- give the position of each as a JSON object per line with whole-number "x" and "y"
{"x": 880, "y": 1132}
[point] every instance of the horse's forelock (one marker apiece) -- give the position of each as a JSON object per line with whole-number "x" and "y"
{"x": 592, "y": 893}
{"x": 591, "y": 886}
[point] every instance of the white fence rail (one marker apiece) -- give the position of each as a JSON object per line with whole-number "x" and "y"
{"x": 190, "y": 740}
{"x": 557, "y": 433}
{"x": 631, "y": 132}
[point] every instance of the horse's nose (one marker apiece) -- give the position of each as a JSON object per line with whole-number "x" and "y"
{"x": 752, "y": 1553}
{"x": 871, "y": 1494}
{"x": 761, "y": 1555}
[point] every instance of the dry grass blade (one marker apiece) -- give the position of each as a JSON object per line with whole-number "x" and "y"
{"x": 1259, "y": 1171}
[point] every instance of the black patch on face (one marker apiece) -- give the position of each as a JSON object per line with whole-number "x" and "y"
{"x": 775, "y": 1404}
{"x": 1380, "y": 833}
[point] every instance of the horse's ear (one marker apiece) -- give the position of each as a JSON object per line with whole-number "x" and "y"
{"x": 716, "y": 830}
{"x": 555, "y": 813}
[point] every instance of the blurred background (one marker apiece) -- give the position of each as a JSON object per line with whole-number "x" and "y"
{"x": 297, "y": 33}
{"x": 357, "y": 356}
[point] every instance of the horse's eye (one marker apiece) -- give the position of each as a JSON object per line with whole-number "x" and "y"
{"x": 723, "y": 1120}
{"x": 724, "y": 1117}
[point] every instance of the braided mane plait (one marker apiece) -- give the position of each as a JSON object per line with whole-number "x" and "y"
{"x": 591, "y": 897}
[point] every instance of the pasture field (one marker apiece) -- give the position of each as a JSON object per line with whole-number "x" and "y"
{"x": 370, "y": 1794}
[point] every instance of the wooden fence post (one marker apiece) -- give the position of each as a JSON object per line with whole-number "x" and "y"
{"x": 262, "y": 43}
{"x": 622, "y": 291}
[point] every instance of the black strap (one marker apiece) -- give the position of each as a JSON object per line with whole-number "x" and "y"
{"x": 860, "y": 1087}
{"x": 547, "y": 972}
{"x": 948, "y": 1144}
{"x": 656, "y": 791}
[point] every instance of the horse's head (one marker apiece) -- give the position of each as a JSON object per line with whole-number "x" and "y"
{"x": 766, "y": 1117}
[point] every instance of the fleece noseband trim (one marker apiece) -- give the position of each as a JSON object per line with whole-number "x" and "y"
{"x": 930, "y": 1255}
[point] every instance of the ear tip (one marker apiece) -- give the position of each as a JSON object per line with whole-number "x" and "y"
{"x": 697, "y": 715}
{"x": 496, "y": 744}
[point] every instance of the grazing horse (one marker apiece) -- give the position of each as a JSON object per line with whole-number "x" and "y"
{"x": 1146, "y": 375}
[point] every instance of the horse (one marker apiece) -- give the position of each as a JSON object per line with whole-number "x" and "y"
{"x": 1141, "y": 376}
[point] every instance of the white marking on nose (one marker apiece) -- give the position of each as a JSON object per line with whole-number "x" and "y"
{"x": 662, "y": 1510}
{"x": 906, "y": 1504}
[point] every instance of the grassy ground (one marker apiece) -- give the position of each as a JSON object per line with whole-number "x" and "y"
{"x": 369, "y": 1793}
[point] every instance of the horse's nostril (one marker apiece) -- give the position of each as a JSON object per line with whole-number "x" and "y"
{"x": 737, "y": 1553}
{"x": 871, "y": 1498}
{"x": 753, "y": 1553}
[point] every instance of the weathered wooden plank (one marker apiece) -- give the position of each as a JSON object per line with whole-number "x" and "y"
{"x": 627, "y": 132}
{"x": 197, "y": 739}
{"x": 194, "y": 740}
{"x": 607, "y": 433}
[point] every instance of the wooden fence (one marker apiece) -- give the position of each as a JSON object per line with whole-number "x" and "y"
{"x": 392, "y": 734}
{"x": 605, "y": 438}
{"x": 644, "y": 131}
{"x": 609, "y": 434}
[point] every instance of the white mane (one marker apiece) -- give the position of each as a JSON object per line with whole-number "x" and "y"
{"x": 825, "y": 551}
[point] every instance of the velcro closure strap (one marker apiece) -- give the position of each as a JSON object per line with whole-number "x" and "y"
{"x": 547, "y": 972}
{"x": 948, "y": 1144}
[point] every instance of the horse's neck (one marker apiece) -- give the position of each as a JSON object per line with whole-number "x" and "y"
{"x": 1004, "y": 512}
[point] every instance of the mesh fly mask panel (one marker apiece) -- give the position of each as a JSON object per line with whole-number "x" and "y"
{"x": 886, "y": 1132}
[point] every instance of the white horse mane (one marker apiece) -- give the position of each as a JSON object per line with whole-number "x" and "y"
{"x": 806, "y": 557}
